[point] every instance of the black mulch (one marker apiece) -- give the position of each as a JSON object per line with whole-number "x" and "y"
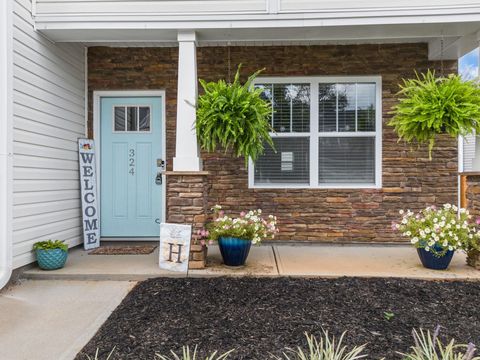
{"x": 259, "y": 316}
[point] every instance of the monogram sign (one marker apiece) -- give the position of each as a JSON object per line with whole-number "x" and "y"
{"x": 174, "y": 247}
{"x": 88, "y": 186}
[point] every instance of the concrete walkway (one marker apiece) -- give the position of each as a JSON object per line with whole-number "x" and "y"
{"x": 54, "y": 318}
{"x": 267, "y": 260}
{"x": 46, "y": 320}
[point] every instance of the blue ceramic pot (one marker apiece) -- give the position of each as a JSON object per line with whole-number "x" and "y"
{"x": 431, "y": 261}
{"x": 51, "y": 259}
{"x": 234, "y": 250}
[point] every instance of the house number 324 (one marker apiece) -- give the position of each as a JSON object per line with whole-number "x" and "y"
{"x": 131, "y": 161}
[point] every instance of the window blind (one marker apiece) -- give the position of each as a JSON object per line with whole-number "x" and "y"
{"x": 290, "y": 164}
{"x": 346, "y": 160}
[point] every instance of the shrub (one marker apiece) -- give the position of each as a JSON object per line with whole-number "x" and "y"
{"x": 188, "y": 355}
{"x": 234, "y": 116}
{"x": 96, "y": 355}
{"x": 429, "y": 106}
{"x": 324, "y": 349}
{"x": 50, "y": 245}
{"x": 429, "y": 347}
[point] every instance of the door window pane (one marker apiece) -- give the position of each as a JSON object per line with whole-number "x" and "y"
{"x": 132, "y": 118}
{"x": 119, "y": 118}
{"x": 144, "y": 118}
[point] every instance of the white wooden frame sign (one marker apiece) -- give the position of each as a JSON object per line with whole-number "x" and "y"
{"x": 174, "y": 252}
{"x": 88, "y": 186}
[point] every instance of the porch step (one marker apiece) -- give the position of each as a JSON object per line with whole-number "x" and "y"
{"x": 81, "y": 266}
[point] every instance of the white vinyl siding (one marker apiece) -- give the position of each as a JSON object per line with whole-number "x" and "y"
{"x": 48, "y": 118}
{"x": 468, "y": 152}
{"x": 148, "y": 7}
{"x": 327, "y": 133}
{"x": 368, "y": 5}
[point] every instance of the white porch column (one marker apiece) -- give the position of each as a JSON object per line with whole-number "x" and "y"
{"x": 186, "y": 147}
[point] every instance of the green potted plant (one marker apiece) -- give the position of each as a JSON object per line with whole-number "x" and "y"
{"x": 51, "y": 254}
{"x": 234, "y": 116}
{"x": 235, "y": 235}
{"x": 437, "y": 233}
{"x": 430, "y": 105}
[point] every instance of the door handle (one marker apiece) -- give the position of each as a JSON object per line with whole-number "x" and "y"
{"x": 158, "y": 179}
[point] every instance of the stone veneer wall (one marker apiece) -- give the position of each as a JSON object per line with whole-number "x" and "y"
{"x": 409, "y": 178}
{"x": 473, "y": 194}
{"x": 187, "y": 199}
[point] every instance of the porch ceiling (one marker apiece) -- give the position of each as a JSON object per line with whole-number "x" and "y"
{"x": 459, "y": 38}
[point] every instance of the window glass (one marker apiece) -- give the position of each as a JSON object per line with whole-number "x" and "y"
{"x": 346, "y": 107}
{"x": 346, "y": 138}
{"x": 290, "y": 106}
{"x": 290, "y": 164}
{"x": 327, "y": 107}
{"x": 132, "y": 118}
{"x": 119, "y": 118}
{"x": 366, "y": 107}
{"x": 349, "y": 160}
{"x": 144, "y": 118}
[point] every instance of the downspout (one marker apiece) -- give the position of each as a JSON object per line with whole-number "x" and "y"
{"x": 6, "y": 147}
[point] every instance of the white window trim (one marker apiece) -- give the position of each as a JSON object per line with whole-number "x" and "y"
{"x": 314, "y": 134}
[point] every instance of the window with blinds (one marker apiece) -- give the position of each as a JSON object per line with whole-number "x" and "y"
{"x": 327, "y": 133}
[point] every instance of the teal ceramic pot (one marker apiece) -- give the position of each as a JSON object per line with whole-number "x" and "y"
{"x": 51, "y": 259}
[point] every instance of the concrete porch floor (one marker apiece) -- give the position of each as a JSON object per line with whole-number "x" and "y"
{"x": 266, "y": 260}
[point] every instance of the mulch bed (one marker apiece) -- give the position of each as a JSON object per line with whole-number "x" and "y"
{"x": 260, "y": 316}
{"x": 123, "y": 250}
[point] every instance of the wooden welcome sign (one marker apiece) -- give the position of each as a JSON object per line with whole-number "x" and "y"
{"x": 88, "y": 186}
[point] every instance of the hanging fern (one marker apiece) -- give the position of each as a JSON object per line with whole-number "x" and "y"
{"x": 234, "y": 116}
{"x": 429, "y": 106}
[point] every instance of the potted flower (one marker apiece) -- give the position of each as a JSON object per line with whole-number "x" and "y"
{"x": 235, "y": 235}
{"x": 436, "y": 233}
{"x": 430, "y": 105}
{"x": 50, "y": 254}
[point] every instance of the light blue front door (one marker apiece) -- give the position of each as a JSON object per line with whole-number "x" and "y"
{"x": 131, "y": 150}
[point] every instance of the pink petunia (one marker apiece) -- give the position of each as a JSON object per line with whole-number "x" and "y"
{"x": 477, "y": 221}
